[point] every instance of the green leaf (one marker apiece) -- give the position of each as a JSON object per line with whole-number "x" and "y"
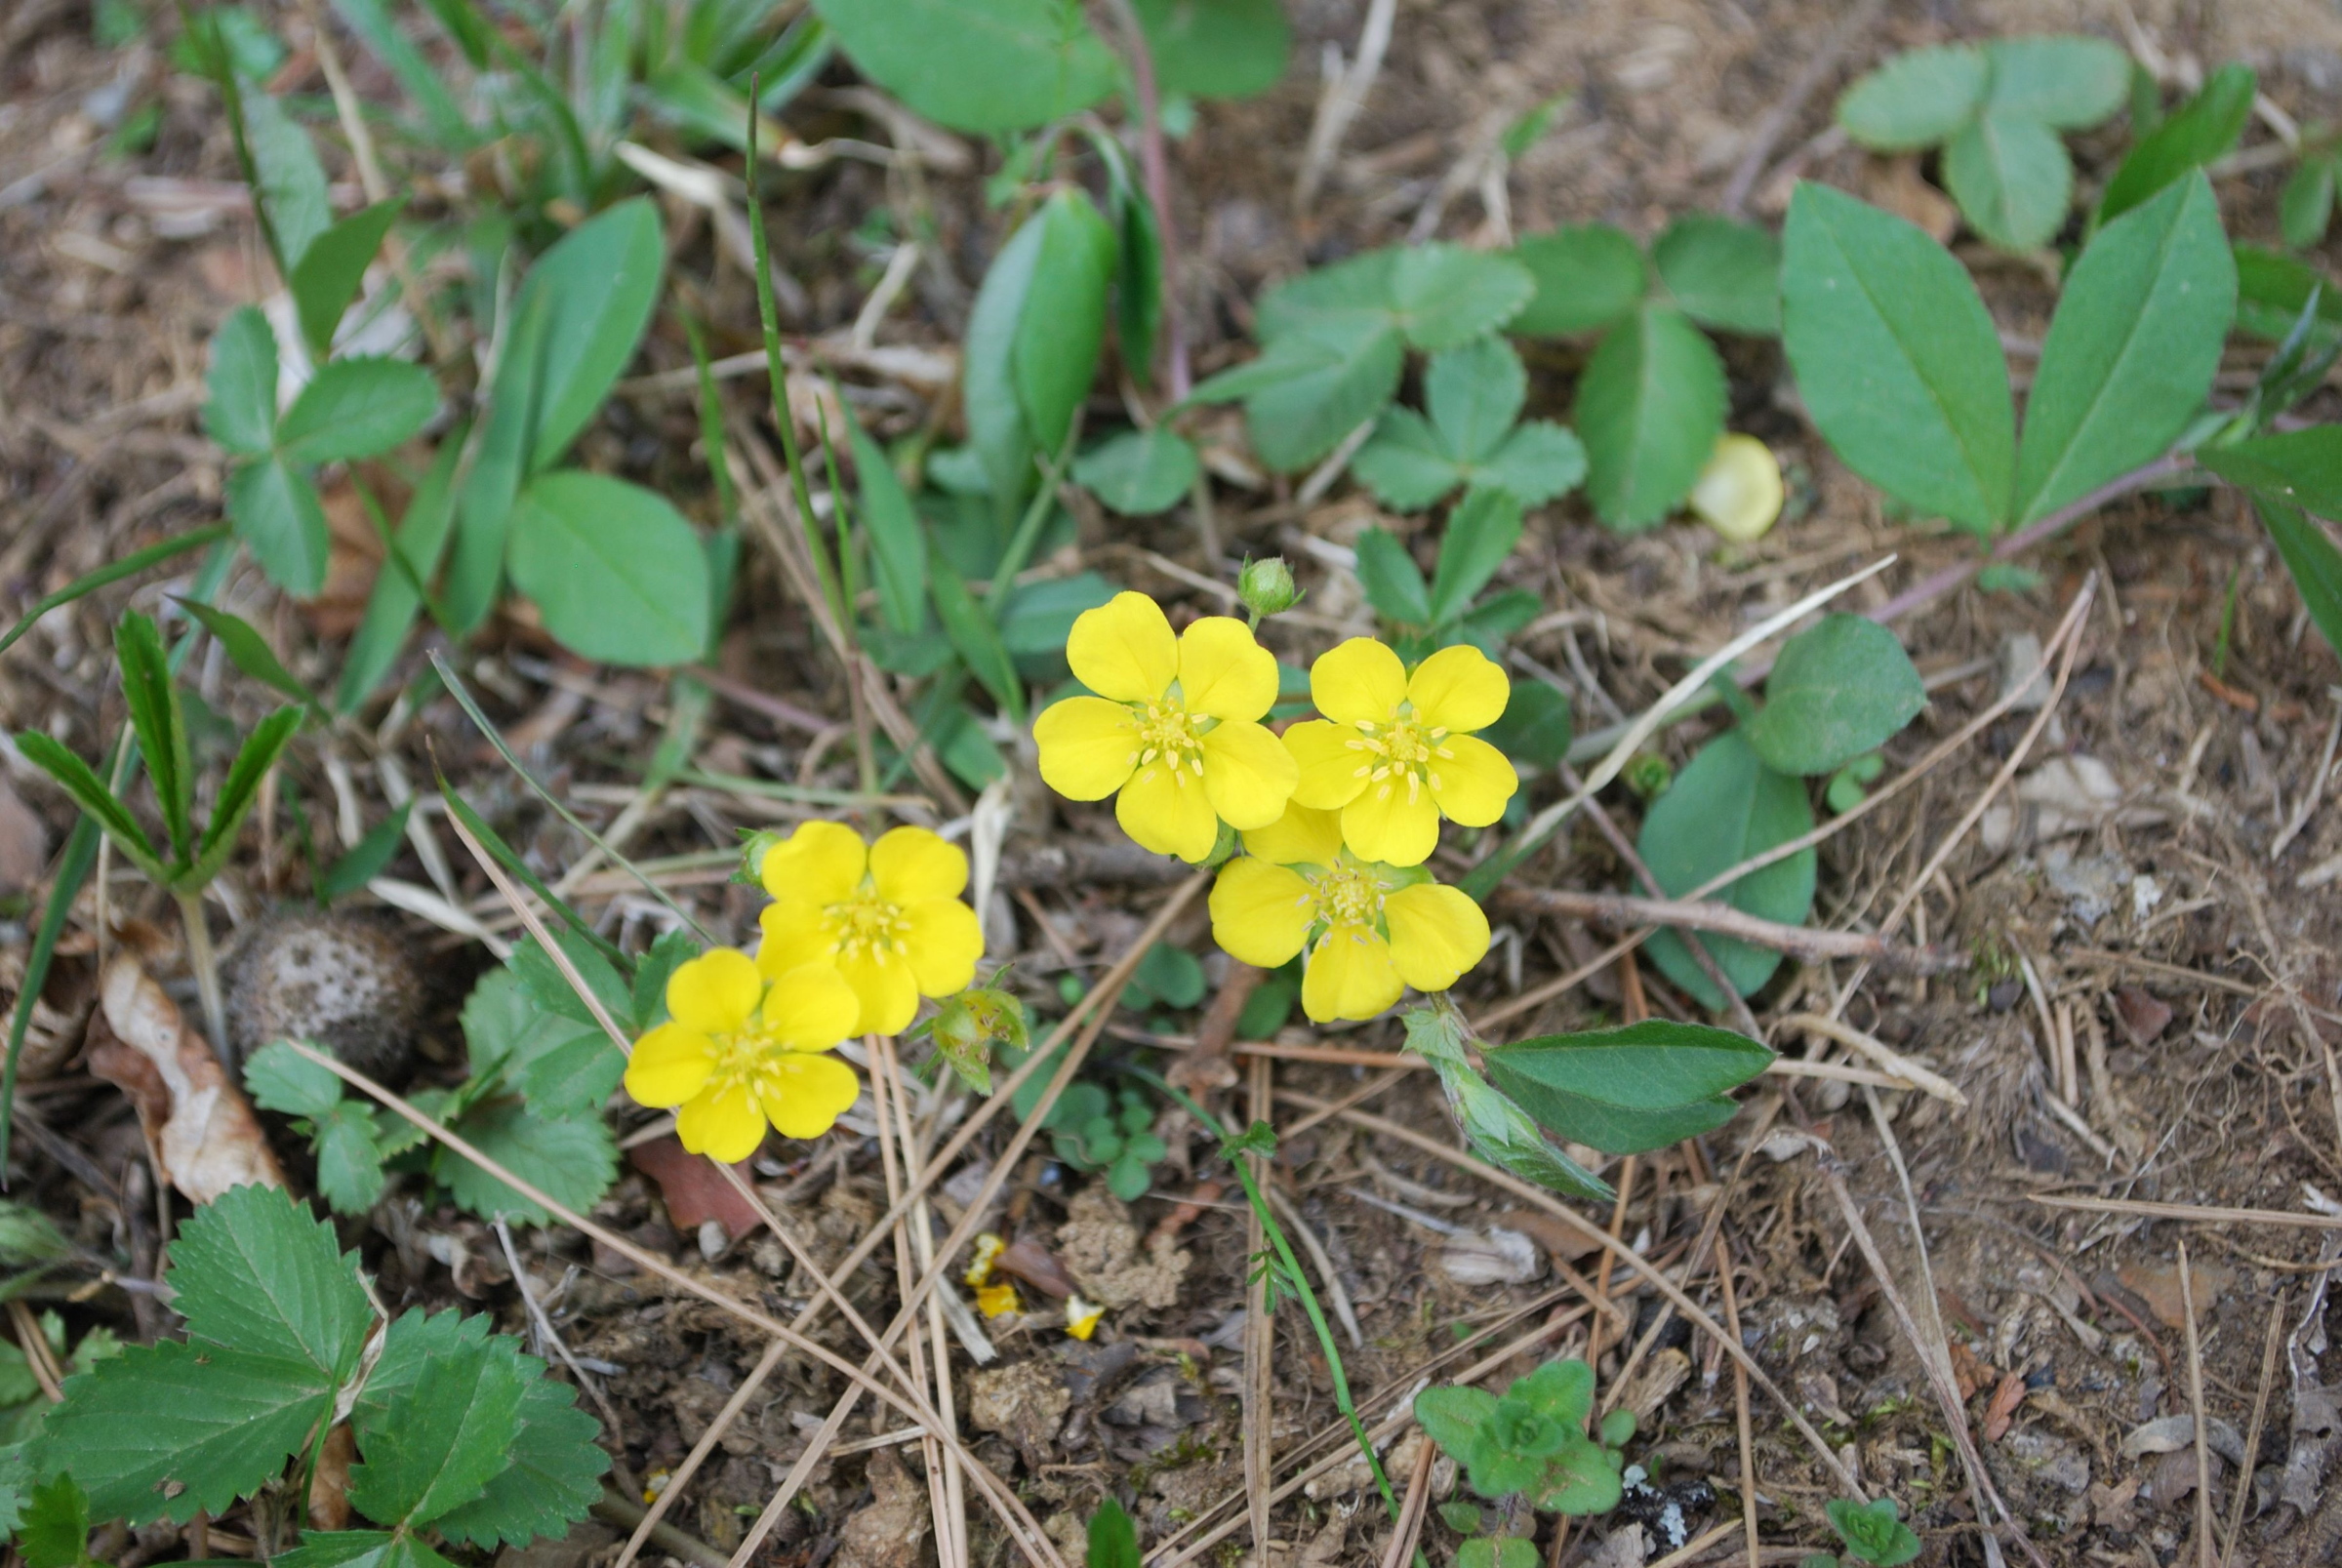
{"x": 1538, "y": 461}
{"x": 359, "y": 1548}
{"x": 159, "y": 721}
{"x": 1650, "y": 408}
{"x": 553, "y": 1480}
{"x": 76, "y": 779}
{"x": 976, "y": 65}
{"x": 2199, "y": 130}
{"x": 548, "y": 990}
{"x": 1312, "y": 386}
{"x": 1114, "y": 1539}
{"x": 367, "y": 858}
{"x": 2132, "y": 349}
{"x": 356, "y": 407}
{"x": 421, "y": 540}
{"x": 571, "y": 1160}
{"x": 248, "y": 650}
{"x": 1138, "y": 282}
{"x": 113, "y": 571}
{"x": 240, "y": 790}
{"x": 2273, "y": 291}
{"x": 1534, "y": 727}
{"x": 1580, "y": 1480}
{"x": 241, "y": 411}
{"x": 2301, "y": 468}
{"x": 166, "y": 1429}
{"x": 1897, "y": 359}
{"x": 277, "y": 513}
{"x": 1407, "y": 464}
{"x": 1139, "y": 474}
{"x": 256, "y": 1272}
{"x": 334, "y": 268}
{"x": 1481, "y": 533}
{"x": 1452, "y": 1417}
{"x": 1624, "y": 1091}
{"x": 2061, "y": 80}
{"x": 1443, "y": 295}
{"x": 1171, "y": 976}
{"x": 976, "y": 639}
{"x": 1055, "y": 354}
{"x": 1473, "y": 393}
{"x": 615, "y": 569}
{"x": 599, "y": 285}
{"x": 2309, "y": 555}
{"x": 1725, "y": 276}
{"x": 1917, "y": 98}
{"x": 54, "y": 1531}
{"x": 1040, "y": 618}
{"x": 1498, "y": 1551}
{"x": 1499, "y": 1131}
{"x": 282, "y": 1079}
{"x": 1393, "y": 582}
{"x": 430, "y": 1447}
{"x": 418, "y": 75}
{"x": 1216, "y": 47}
{"x": 1586, "y": 276}
{"x": 2306, "y": 206}
{"x": 1872, "y": 1532}
{"x": 996, "y": 424}
{"x": 2011, "y": 178}
{"x": 555, "y": 1056}
{"x": 1723, "y": 808}
{"x": 1841, "y": 687}
{"x": 350, "y": 1159}
{"x": 898, "y": 543}
{"x": 292, "y": 181}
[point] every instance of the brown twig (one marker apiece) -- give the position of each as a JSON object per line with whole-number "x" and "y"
{"x": 1416, "y": 1504}
{"x": 1730, "y": 1302}
{"x": 2252, "y": 1439}
{"x": 2204, "y": 1546}
{"x": 1809, "y": 945}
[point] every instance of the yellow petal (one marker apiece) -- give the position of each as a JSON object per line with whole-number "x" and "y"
{"x": 1248, "y": 775}
{"x": 1302, "y": 837}
{"x": 1124, "y": 648}
{"x": 1459, "y": 688}
{"x": 1167, "y": 812}
{"x": 996, "y": 1301}
{"x": 1437, "y": 934}
{"x": 1349, "y": 976}
{"x": 889, "y": 995}
{"x": 1739, "y": 493}
{"x": 945, "y": 942}
{"x": 723, "y": 1122}
{"x": 1088, "y": 746}
{"x": 811, "y": 1008}
{"x": 795, "y": 934}
{"x": 1472, "y": 781}
{"x": 803, "y": 1095}
{"x": 1261, "y": 913}
{"x": 821, "y": 862}
{"x": 912, "y": 863}
{"x": 1359, "y": 682}
{"x": 1332, "y": 762}
{"x": 1394, "y": 822}
{"x": 716, "y": 991}
{"x": 668, "y": 1066}
{"x": 1223, "y": 672}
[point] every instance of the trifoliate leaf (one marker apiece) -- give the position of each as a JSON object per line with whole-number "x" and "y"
{"x": 561, "y": 1064}
{"x": 1917, "y": 98}
{"x": 430, "y": 1447}
{"x": 256, "y": 1271}
{"x": 570, "y": 1159}
{"x": 1587, "y": 276}
{"x": 1406, "y": 464}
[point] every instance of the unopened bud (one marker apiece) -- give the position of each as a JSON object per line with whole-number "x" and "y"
{"x": 754, "y": 848}
{"x": 1267, "y": 588}
{"x": 969, "y": 1024}
{"x": 1739, "y": 491}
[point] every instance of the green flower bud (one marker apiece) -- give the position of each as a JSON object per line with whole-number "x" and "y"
{"x": 968, "y": 1026}
{"x": 1267, "y": 588}
{"x": 754, "y": 848}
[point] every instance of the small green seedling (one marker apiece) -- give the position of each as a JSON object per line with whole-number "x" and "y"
{"x": 1096, "y": 1131}
{"x": 1483, "y": 1549}
{"x": 1872, "y": 1532}
{"x": 1114, "y": 1539}
{"x": 1532, "y": 1438}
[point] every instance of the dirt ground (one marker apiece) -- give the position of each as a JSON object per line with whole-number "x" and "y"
{"x": 2151, "y": 1013}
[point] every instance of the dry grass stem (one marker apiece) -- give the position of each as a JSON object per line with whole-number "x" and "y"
{"x": 2204, "y": 1545}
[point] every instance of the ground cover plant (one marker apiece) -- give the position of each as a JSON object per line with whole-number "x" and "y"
{"x": 653, "y": 614}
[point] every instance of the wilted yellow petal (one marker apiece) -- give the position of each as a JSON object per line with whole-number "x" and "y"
{"x": 1088, "y": 746}
{"x": 1437, "y": 934}
{"x": 1261, "y": 913}
{"x": 1223, "y": 674}
{"x": 1124, "y": 648}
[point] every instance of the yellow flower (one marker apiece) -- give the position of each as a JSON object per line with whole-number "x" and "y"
{"x": 1175, "y": 727}
{"x": 1081, "y": 1318}
{"x": 1395, "y": 753}
{"x": 1369, "y": 930}
{"x": 1739, "y": 493}
{"x": 983, "y": 1255}
{"x": 997, "y": 1300}
{"x": 741, "y": 1053}
{"x": 889, "y": 918}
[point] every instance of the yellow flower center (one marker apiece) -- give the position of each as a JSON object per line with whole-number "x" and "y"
{"x": 866, "y": 923}
{"x": 1169, "y": 734}
{"x": 1348, "y": 895}
{"x": 1401, "y": 749}
{"x": 746, "y": 1057}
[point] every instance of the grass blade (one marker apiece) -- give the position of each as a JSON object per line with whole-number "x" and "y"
{"x": 130, "y": 565}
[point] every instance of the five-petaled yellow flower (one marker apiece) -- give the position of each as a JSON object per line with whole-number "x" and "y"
{"x": 1175, "y": 727}
{"x": 889, "y": 918}
{"x": 1394, "y": 751}
{"x": 1370, "y": 930}
{"x": 743, "y": 1052}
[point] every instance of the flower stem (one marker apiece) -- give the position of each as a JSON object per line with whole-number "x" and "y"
{"x": 206, "y": 965}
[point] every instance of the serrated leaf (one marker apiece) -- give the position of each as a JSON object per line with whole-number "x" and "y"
{"x": 2132, "y": 349}
{"x": 656, "y": 967}
{"x": 361, "y": 1549}
{"x": 1538, "y": 461}
{"x": 165, "y": 1429}
{"x": 2066, "y": 81}
{"x": 1139, "y": 474}
{"x": 553, "y": 1480}
{"x": 1474, "y": 394}
{"x": 282, "y": 1079}
{"x": 976, "y": 65}
{"x": 334, "y": 268}
{"x": 1586, "y": 276}
{"x": 55, "y": 1529}
{"x": 2195, "y": 134}
{"x": 350, "y": 1159}
{"x": 1917, "y": 98}
{"x": 293, "y": 191}
{"x": 429, "y": 1448}
{"x": 2011, "y": 178}
{"x": 1580, "y": 1480}
{"x": 1313, "y": 385}
{"x": 1406, "y": 464}
{"x": 278, "y": 515}
{"x": 550, "y": 990}
{"x": 572, "y": 1160}
{"x": 617, "y": 571}
{"x": 1725, "y": 276}
{"x": 1443, "y": 295}
{"x": 1650, "y": 410}
{"x": 1063, "y": 322}
{"x": 1897, "y": 359}
{"x": 1724, "y": 807}
{"x": 241, "y": 411}
{"x": 1394, "y": 584}
{"x": 357, "y": 407}
{"x": 1481, "y": 533}
{"x": 560, "y": 1063}
{"x": 1841, "y": 687}
{"x": 256, "y": 1272}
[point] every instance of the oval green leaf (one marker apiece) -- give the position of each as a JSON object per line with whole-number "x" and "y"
{"x": 599, "y": 285}
{"x": 1216, "y": 47}
{"x": 2065, "y": 81}
{"x": 1063, "y": 322}
{"x": 1139, "y": 472}
{"x": 1723, "y": 808}
{"x": 359, "y": 407}
{"x": 976, "y": 65}
{"x": 1841, "y": 687}
{"x": 617, "y": 571}
{"x": 2011, "y": 178}
{"x": 1916, "y": 99}
{"x": 1725, "y": 276}
{"x": 1587, "y": 276}
{"x": 1650, "y": 411}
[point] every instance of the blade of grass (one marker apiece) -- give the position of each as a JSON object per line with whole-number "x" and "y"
{"x": 130, "y": 565}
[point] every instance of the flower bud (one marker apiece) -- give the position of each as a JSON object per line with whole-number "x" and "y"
{"x": 754, "y": 848}
{"x": 969, "y": 1024}
{"x": 1739, "y": 491}
{"x": 1267, "y": 588}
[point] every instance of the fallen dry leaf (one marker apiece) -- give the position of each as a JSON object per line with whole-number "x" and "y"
{"x": 329, "y": 1488}
{"x": 2143, "y": 1015}
{"x": 2158, "y": 1285}
{"x": 695, "y": 1190}
{"x": 1895, "y": 185}
{"x": 1968, "y": 1370}
{"x": 2002, "y": 1411}
{"x": 201, "y": 1128}
{"x": 1036, "y": 1266}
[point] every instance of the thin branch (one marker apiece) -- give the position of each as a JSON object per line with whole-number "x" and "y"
{"x": 1620, "y": 911}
